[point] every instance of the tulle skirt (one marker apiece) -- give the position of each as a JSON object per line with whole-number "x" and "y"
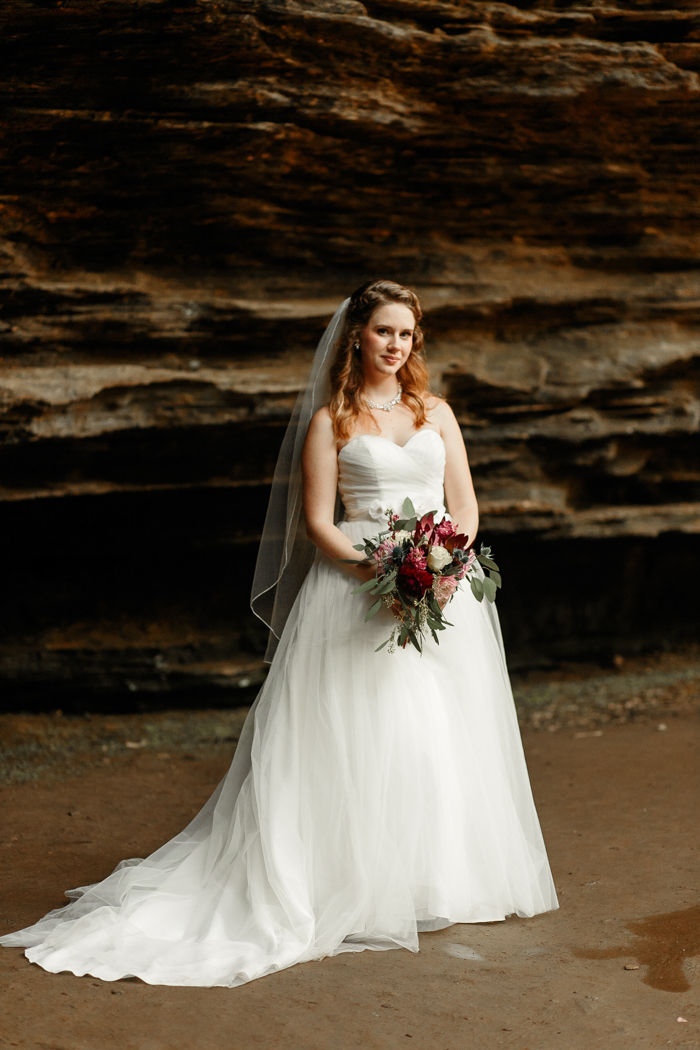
{"x": 372, "y": 796}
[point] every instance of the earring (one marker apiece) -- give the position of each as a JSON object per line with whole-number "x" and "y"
{"x": 356, "y": 346}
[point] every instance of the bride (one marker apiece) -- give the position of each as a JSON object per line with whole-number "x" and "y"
{"x": 373, "y": 795}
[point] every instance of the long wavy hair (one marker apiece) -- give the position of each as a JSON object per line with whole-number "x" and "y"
{"x": 347, "y": 379}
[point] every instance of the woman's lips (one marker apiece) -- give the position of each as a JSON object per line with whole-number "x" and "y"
{"x": 389, "y": 359}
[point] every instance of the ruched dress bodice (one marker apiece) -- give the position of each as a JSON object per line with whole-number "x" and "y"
{"x": 375, "y": 474}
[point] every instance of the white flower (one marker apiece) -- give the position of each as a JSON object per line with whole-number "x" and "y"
{"x": 377, "y": 511}
{"x": 438, "y": 558}
{"x": 402, "y": 535}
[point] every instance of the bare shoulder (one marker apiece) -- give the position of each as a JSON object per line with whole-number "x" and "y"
{"x": 439, "y": 412}
{"x": 321, "y": 422}
{"x": 320, "y": 434}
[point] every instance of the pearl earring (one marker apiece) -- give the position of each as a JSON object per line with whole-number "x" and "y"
{"x": 356, "y": 346}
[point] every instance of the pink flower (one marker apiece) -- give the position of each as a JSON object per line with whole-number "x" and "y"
{"x": 443, "y": 589}
{"x": 383, "y": 551}
{"x": 443, "y": 531}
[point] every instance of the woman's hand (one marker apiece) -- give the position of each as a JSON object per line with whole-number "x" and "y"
{"x": 364, "y": 570}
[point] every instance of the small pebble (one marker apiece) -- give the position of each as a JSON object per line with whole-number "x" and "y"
{"x": 661, "y": 726}
{"x": 631, "y": 966}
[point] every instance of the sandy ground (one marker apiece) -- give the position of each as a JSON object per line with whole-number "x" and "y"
{"x": 619, "y": 809}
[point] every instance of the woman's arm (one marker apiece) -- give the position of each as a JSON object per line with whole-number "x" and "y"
{"x": 459, "y": 488}
{"x": 320, "y": 473}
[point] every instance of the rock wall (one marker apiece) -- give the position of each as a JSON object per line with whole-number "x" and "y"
{"x": 190, "y": 187}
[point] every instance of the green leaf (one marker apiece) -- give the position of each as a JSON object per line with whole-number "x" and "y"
{"x": 403, "y": 635}
{"x": 489, "y": 588}
{"x": 357, "y": 547}
{"x": 410, "y": 524}
{"x": 383, "y": 644}
{"x": 408, "y": 508}
{"x": 477, "y": 588}
{"x": 374, "y": 609}
{"x": 414, "y": 641}
{"x": 496, "y": 577}
{"x": 366, "y": 586}
{"x": 487, "y": 562}
{"x": 385, "y": 587}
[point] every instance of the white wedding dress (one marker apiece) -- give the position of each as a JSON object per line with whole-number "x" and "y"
{"x": 372, "y": 795}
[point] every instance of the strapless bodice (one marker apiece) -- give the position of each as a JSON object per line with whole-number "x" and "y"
{"x": 375, "y": 473}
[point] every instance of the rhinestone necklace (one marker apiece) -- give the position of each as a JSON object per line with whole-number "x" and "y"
{"x": 389, "y": 405}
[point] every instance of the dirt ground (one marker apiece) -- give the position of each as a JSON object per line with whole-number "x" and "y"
{"x": 619, "y": 809}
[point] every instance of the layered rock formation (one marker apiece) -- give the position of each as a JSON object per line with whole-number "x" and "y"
{"x": 188, "y": 190}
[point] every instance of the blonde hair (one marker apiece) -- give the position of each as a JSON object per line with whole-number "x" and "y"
{"x": 347, "y": 378}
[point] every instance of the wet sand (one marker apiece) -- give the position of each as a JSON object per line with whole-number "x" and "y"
{"x": 620, "y": 816}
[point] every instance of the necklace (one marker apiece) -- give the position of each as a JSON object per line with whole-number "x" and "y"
{"x": 389, "y": 405}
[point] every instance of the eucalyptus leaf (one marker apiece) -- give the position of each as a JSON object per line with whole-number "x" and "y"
{"x": 366, "y": 586}
{"x": 487, "y": 562}
{"x": 477, "y": 588}
{"x": 489, "y": 588}
{"x": 384, "y": 587}
{"x": 403, "y": 635}
{"x": 410, "y": 524}
{"x": 357, "y": 547}
{"x": 496, "y": 577}
{"x": 383, "y": 644}
{"x": 374, "y": 609}
{"x": 408, "y": 508}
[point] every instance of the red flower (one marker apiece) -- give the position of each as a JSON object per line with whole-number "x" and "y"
{"x": 443, "y": 531}
{"x": 424, "y": 528}
{"x": 461, "y": 542}
{"x": 413, "y": 578}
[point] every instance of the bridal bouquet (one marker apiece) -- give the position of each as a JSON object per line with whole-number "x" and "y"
{"x": 420, "y": 564}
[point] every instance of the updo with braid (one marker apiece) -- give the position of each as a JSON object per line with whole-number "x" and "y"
{"x": 346, "y": 375}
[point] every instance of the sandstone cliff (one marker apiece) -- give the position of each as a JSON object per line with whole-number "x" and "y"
{"x": 189, "y": 188}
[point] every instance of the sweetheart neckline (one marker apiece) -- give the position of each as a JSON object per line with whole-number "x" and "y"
{"x": 379, "y": 437}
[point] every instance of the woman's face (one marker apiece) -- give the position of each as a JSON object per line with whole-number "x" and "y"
{"x": 387, "y": 339}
